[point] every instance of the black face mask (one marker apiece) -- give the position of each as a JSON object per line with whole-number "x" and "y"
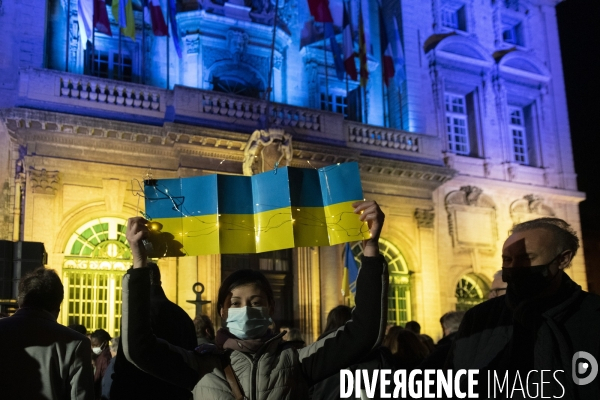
{"x": 527, "y": 282}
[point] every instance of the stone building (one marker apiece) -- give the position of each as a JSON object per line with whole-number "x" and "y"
{"x": 475, "y": 139}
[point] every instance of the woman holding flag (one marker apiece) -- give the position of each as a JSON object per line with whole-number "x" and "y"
{"x": 249, "y": 361}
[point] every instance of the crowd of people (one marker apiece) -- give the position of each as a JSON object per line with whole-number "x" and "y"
{"x": 535, "y": 318}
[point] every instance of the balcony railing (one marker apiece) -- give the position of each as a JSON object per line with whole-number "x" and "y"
{"x": 81, "y": 94}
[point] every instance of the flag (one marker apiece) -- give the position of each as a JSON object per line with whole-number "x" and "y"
{"x": 310, "y": 34}
{"x": 387, "y": 59}
{"x": 101, "y": 21}
{"x": 362, "y": 50}
{"x": 85, "y": 18}
{"x": 153, "y": 15}
{"x": 319, "y": 9}
{"x": 338, "y": 58}
{"x": 122, "y": 10}
{"x": 350, "y": 272}
{"x": 348, "y": 45}
{"x": 174, "y": 30}
{"x": 399, "y": 61}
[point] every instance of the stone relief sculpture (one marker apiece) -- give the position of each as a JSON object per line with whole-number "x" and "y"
{"x": 528, "y": 208}
{"x": 471, "y": 219}
{"x": 237, "y": 43}
{"x": 267, "y": 150}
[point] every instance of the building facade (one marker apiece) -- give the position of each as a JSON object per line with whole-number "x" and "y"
{"x": 472, "y": 138}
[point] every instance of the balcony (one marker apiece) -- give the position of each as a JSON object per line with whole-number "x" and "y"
{"x": 90, "y": 96}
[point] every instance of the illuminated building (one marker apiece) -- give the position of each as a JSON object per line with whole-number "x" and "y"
{"x": 475, "y": 139}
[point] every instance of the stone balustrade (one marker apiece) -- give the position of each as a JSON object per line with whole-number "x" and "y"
{"x": 74, "y": 93}
{"x": 86, "y": 88}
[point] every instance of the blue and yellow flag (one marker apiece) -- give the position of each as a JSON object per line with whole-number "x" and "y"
{"x": 350, "y": 273}
{"x": 122, "y": 10}
{"x": 285, "y": 208}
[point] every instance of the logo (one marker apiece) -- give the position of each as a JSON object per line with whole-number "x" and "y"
{"x": 584, "y": 364}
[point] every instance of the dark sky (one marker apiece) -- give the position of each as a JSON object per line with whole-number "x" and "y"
{"x": 579, "y": 30}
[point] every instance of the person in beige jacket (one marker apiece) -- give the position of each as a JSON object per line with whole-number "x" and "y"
{"x": 249, "y": 361}
{"x": 39, "y": 358}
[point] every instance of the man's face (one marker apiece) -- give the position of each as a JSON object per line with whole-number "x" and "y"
{"x": 498, "y": 287}
{"x": 532, "y": 248}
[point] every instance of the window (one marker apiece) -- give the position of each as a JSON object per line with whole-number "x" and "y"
{"x": 110, "y": 64}
{"x": 96, "y": 258}
{"x": 399, "y": 302}
{"x": 513, "y": 34}
{"x": 518, "y": 135}
{"x": 457, "y": 126}
{"x": 335, "y": 102}
{"x": 453, "y": 17}
{"x": 470, "y": 291}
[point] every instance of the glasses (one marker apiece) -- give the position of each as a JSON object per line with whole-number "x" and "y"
{"x": 496, "y": 292}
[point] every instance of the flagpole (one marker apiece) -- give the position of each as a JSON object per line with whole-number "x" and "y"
{"x": 144, "y": 45}
{"x": 271, "y": 66}
{"x": 120, "y": 55}
{"x": 168, "y": 47}
{"x": 326, "y": 70}
{"x": 68, "y": 34}
{"x": 93, "y": 38}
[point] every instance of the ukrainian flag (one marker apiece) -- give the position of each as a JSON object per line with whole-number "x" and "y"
{"x": 339, "y": 189}
{"x": 188, "y": 209}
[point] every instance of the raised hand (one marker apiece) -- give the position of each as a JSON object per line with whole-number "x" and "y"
{"x": 369, "y": 211}
{"x": 137, "y": 230}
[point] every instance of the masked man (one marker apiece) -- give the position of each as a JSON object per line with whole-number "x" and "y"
{"x": 544, "y": 334}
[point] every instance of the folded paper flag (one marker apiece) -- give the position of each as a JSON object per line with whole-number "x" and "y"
{"x": 226, "y": 214}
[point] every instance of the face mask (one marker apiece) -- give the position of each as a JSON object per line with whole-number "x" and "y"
{"x": 248, "y": 322}
{"x": 527, "y": 282}
{"x": 97, "y": 350}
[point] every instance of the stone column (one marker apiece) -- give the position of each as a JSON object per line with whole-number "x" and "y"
{"x": 307, "y": 297}
{"x": 427, "y": 282}
{"x": 331, "y": 271}
{"x": 209, "y": 274}
{"x": 187, "y": 276}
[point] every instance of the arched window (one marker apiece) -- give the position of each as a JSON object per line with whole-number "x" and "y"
{"x": 96, "y": 258}
{"x": 399, "y": 306}
{"x": 470, "y": 291}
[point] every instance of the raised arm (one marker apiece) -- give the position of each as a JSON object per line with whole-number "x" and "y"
{"x": 365, "y": 330}
{"x": 140, "y": 346}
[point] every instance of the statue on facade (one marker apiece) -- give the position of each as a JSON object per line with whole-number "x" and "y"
{"x": 267, "y": 150}
{"x": 237, "y": 42}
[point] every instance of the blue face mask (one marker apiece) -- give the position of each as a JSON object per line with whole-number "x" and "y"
{"x": 248, "y": 322}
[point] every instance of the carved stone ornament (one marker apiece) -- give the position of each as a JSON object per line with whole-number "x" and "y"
{"x": 528, "y": 208}
{"x": 237, "y": 42}
{"x": 424, "y": 218}
{"x": 471, "y": 219}
{"x": 267, "y": 150}
{"x": 44, "y": 182}
{"x": 470, "y": 196}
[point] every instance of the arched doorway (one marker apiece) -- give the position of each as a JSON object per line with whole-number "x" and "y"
{"x": 399, "y": 306}
{"x": 96, "y": 258}
{"x": 470, "y": 291}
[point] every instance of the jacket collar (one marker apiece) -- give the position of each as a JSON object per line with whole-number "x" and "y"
{"x": 34, "y": 313}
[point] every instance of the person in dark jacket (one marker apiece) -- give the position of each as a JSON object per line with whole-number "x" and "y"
{"x": 100, "y": 347}
{"x": 450, "y": 323}
{"x": 169, "y": 322}
{"x": 544, "y": 322}
{"x": 107, "y": 379}
{"x": 249, "y": 360}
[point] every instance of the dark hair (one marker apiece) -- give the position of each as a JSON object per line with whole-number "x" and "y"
{"x": 405, "y": 345}
{"x": 427, "y": 341}
{"x": 240, "y": 278}
{"x": 41, "y": 288}
{"x": 564, "y": 233}
{"x": 154, "y": 273}
{"x": 202, "y": 323}
{"x": 413, "y": 326}
{"x": 78, "y": 328}
{"x": 337, "y": 317}
{"x": 101, "y": 335}
{"x": 451, "y": 320}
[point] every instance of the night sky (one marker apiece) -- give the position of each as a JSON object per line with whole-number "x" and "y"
{"x": 579, "y": 30}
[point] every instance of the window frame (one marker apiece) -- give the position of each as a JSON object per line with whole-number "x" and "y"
{"x": 521, "y": 127}
{"x": 451, "y": 116}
